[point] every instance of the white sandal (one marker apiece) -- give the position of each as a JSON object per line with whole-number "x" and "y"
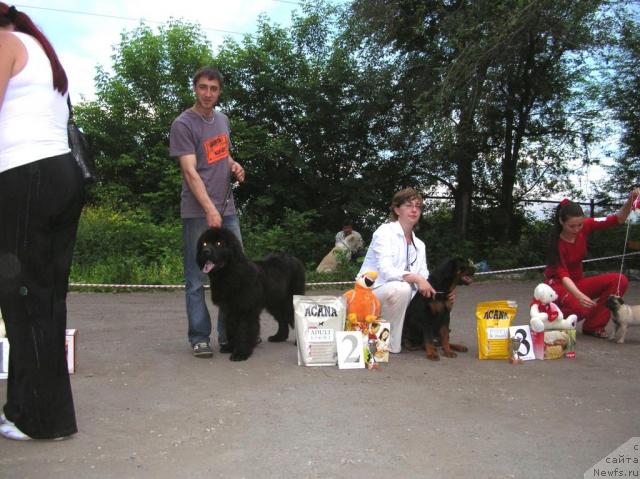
{"x": 10, "y": 431}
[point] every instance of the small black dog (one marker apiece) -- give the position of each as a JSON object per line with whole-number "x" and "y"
{"x": 427, "y": 319}
{"x": 242, "y": 289}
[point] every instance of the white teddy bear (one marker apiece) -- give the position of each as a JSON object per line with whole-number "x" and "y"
{"x": 545, "y": 314}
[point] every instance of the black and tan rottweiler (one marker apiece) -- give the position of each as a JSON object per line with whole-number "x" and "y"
{"x": 427, "y": 319}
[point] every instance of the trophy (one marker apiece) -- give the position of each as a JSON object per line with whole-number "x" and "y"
{"x": 514, "y": 347}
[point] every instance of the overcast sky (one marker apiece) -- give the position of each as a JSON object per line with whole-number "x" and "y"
{"x": 84, "y": 32}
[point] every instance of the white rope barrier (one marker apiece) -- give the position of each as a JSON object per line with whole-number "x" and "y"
{"x": 314, "y": 285}
{"x": 542, "y": 266}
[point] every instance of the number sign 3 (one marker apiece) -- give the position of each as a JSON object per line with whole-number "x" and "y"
{"x": 526, "y": 346}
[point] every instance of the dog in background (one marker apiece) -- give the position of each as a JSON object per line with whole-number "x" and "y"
{"x": 427, "y": 319}
{"x": 340, "y": 252}
{"x": 622, "y": 316}
{"x": 242, "y": 289}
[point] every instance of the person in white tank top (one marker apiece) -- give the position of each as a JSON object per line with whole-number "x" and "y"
{"x": 41, "y": 197}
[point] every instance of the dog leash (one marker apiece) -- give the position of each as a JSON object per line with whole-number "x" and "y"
{"x": 634, "y": 206}
{"x": 225, "y": 201}
{"x": 624, "y": 252}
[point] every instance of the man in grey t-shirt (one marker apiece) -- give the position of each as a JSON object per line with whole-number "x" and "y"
{"x": 200, "y": 141}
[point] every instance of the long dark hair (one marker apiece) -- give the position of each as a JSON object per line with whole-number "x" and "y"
{"x": 385, "y": 330}
{"x": 565, "y": 210}
{"x": 22, "y": 23}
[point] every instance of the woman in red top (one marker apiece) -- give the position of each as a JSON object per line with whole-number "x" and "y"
{"x": 578, "y": 295}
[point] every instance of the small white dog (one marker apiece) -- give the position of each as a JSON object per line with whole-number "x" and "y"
{"x": 622, "y": 316}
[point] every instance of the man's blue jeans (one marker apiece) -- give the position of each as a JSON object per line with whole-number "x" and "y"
{"x": 197, "y": 312}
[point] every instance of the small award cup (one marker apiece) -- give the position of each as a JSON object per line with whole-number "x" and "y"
{"x": 514, "y": 346}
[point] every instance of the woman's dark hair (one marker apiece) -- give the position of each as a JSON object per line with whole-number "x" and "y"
{"x": 400, "y": 198}
{"x": 22, "y": 23}
{"x": 210, "y": 73}
{"x": 565, "y": 210}
{"x": 385, "y": 330}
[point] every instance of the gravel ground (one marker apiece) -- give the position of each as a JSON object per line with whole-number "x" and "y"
{"x": 147, "y": 409}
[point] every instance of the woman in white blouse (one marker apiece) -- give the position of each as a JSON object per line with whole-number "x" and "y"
{"x": 400, "y": 260}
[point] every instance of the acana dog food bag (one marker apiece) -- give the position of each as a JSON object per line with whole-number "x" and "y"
{"x": 493, "y": 319}
{"x": 317, "y": 318}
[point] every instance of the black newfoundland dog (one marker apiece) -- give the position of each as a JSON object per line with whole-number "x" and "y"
{"x": 242, "y": 289}
{"x": 427, "y": 319}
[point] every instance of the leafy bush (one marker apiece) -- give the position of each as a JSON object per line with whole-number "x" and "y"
{"x": 611, "y": 243}
{"x": 292, "y": 235}
{"x": 116, "y": 247}
{"x": 438, "y": 233}
{"x": 126, "y": 248}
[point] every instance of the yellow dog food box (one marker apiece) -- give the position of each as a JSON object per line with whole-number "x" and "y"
{"x": 493, "y": 319}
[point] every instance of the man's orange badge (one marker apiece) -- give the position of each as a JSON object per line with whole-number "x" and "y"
{"x": 216, "y": 148}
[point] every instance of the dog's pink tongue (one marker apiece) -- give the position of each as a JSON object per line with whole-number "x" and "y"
{"x": 208, "y": 266}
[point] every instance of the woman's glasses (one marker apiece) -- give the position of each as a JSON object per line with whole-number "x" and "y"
{"x": 413, "y": 204}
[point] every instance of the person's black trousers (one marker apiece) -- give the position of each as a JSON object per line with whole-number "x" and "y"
{"x": 40, "y": 205}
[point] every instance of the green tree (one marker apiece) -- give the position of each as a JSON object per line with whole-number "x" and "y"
{"x": 308, "y": 120}
{"x": 539, "y": 94}
{"x": 489, "y": 93}
{"x": 130, "y": 119}
{"x": 623, "y": 98}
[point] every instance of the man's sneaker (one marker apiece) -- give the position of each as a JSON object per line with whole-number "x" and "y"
{"x": 202, "y": 350}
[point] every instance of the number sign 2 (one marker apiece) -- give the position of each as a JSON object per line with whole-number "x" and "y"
{"x": 350, "y": 349}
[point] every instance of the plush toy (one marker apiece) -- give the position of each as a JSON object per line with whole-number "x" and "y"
{"x": 545, "y": 314}
{"x": 363, "y": 307}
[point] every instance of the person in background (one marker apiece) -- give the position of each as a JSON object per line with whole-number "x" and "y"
{"x": 577, "y": 294}
{"x": 200, "y": 140}
{"x": 400, "y": 260}
{"x": 41, "y": 197}
{"x": 355, "y": 244}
